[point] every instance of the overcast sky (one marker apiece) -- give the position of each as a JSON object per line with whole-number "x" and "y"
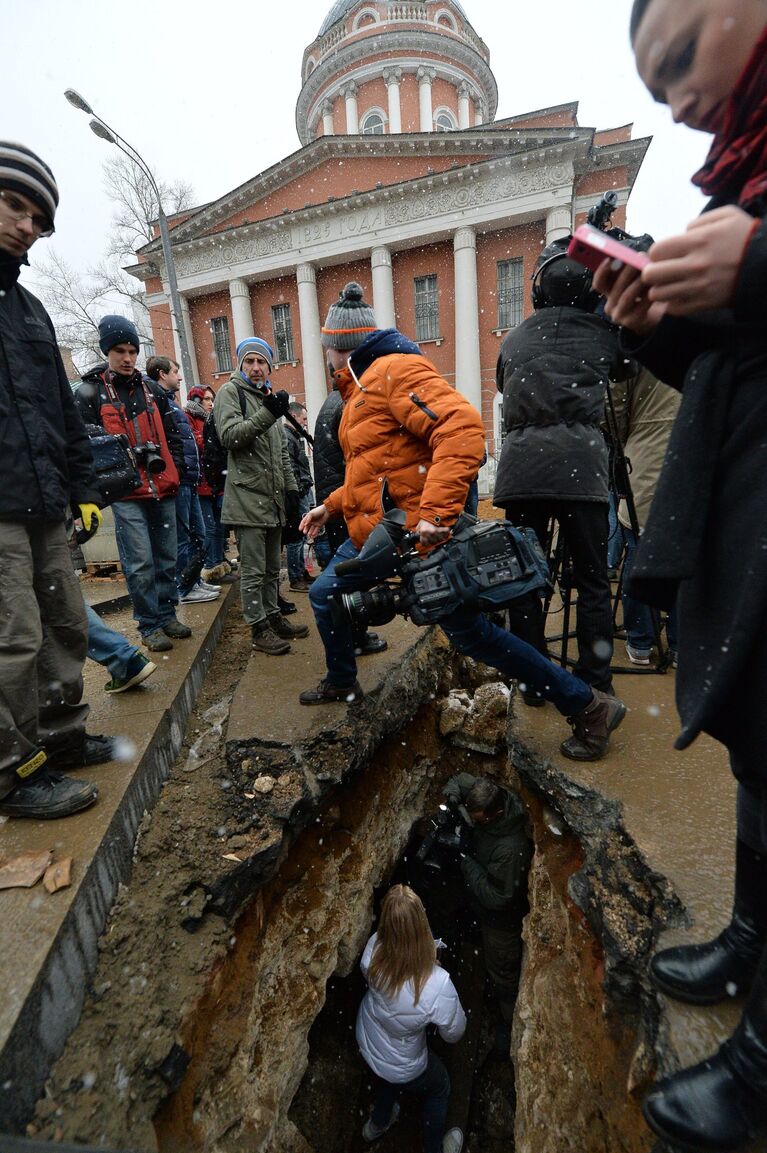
{"x": 207, "y": 92}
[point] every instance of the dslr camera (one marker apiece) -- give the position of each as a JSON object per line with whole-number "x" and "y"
{"x": 448, "y": 829}
{"x": 482, "y": 567}
{"x": 149, "y": 456}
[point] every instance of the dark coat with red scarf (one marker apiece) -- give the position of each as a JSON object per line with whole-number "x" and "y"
{"x": 141, "y": 411}
{"x": 706, "y": 535}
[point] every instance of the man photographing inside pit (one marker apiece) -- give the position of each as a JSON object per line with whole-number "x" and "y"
{"x": 404, "y": 424}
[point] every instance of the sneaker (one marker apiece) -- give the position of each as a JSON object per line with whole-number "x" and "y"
{"x": 157, "y": 642}
{"x": 638, "y": 656}
{"x": 302, "y": 586}
{"x": 209, "y": 588}
{"x": 49, "y": 795}
{"x": 286, "y": 607}
{"x": 92, "y": 749}
{"x": 265, "y": 640}
{"x": 592, "y": 728}
{"x": 176, "y": 630}
{"x": 368, "y": 644}
{"x": 285, "y": 629}
{"x": 452, "y": 1142}
{"x": 198, "y": 595}
{"x": 137, "y": 670}
{"x": 326, "y": 693}
{"x": 372, "y": 1132}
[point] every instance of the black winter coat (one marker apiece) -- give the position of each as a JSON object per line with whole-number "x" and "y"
{"x": 299, "y": 461}
{"x": 46, "y": 459}
{"x": 706, "y": 535}
{"x": 553, "y": 371}
{"x": 329, "y": 465}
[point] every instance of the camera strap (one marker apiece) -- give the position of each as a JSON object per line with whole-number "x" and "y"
{"x": 129, "y": 423}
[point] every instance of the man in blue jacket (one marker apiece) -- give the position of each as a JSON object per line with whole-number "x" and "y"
{"x": 45, "y": 466}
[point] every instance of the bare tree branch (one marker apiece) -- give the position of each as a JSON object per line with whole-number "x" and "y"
{"x": 77, "y": 300}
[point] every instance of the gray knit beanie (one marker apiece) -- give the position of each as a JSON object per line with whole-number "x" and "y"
{"x": 350, "y": 320}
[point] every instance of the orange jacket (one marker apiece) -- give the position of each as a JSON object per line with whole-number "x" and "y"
{"x": 403, "y": 423}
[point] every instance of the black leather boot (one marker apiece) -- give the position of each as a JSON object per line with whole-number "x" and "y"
{"x": 703, "y": 974}
{"x": 719, "y": 1105}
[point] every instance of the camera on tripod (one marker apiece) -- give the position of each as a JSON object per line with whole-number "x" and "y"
{"x": 149, "y": 456}
{"x": 482, "y": 567}
{"x": 447, "y": 829}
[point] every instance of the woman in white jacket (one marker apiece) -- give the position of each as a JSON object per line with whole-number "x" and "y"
{"x": 407, "y": 990}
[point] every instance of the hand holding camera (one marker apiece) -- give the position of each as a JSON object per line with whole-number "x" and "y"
{"x": 277, "y": 403}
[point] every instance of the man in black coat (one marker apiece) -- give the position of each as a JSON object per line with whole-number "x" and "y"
{"x": 553, "y": 371}
{"x": 45, "y": 466}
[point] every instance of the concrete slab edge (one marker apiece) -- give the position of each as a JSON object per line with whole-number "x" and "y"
{"x": 52, "y": 1010}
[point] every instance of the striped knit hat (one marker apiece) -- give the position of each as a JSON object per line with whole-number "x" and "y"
{"x": 254, "y": 344}
{"x": 349, "y": 320}
{"x": 24, "y": 172}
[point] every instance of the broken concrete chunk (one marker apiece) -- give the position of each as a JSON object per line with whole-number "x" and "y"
{"x": 24, "y": 871}
{"x": 58, "y": 875}
{"x": 263, "y": 784}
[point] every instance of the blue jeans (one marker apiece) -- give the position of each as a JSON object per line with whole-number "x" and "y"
{"x": 295, "y": 551}
{"x": 433, "y": 1085}
{"x": 107, "y": 646}
{"x": 637, "y": 617}
{"x": 146, "y": 542}
{"x": 470, "y": 633}
{"x": 190, "y": 533}
{"x": 215, "y": 535}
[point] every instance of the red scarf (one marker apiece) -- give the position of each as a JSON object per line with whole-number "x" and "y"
{"x": 736, "y": 166}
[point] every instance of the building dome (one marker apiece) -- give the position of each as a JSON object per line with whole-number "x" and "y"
{"x": 390, "y": 66}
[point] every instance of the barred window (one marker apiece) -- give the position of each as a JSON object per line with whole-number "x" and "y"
{"x": 426, "y": 308}
{"x": 222, "y": 349}
{"x": 510, "y": 293}
{"x": 282, "y": 328}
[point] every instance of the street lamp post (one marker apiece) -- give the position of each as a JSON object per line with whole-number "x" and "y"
{"x": 101, "y": 129}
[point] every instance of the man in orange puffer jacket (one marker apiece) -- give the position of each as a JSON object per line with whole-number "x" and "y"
{"x": 403, "y": 423}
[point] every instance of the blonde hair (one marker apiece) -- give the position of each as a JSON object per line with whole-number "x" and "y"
{"x": 404, "y": 950}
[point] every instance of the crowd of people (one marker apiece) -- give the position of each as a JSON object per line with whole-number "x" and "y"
{"x": 687, "y": 325}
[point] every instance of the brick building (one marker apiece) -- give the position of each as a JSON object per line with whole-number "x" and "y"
{"x": 405, "y": 181}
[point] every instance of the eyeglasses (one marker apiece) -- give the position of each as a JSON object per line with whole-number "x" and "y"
{"x": 14, "y": 207}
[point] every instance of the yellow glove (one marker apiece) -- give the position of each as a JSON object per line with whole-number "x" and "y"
{"x": 90, "y": 515}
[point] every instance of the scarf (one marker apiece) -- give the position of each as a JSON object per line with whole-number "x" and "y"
{"x": 736, "y": 166}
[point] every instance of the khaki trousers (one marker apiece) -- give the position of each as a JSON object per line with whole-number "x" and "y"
{"x": 259, "y": 550}
{"x": 43, "y": 643}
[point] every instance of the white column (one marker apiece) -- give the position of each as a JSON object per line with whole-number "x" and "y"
{"x": 315, "y": 387}
{"x": 187, "y": 322}
{"x": 479, "y": 110}
{"x": 559, "y": 222}
{"x": 349, "y": 93}
{"x": 425, "y": 77}
{"x": 468, "y": 375}
{"x": 383, "y": 287}
{"x": 463, "y": 105}
{"x": 392, "y": 77}
{"x": 241, "y": 311}
{"x": 327, "y": 118}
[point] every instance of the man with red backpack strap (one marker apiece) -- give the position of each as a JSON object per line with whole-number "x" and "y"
{"x": 117, "y": 396}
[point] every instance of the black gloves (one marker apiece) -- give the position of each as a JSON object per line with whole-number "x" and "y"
{"x": 291, "y": 504}
{"x": 277, "y": 403}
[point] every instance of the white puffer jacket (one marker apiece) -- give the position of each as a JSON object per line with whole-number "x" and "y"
{"x": 391, "y": 1031}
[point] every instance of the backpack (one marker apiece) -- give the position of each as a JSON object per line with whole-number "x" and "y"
{"x": 214, "y": 455}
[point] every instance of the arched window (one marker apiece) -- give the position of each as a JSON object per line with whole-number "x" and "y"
{"x": 373, "y": 123}
{"x": 446, "y": 19}
{"x": 365, "y": 17}
{"x": 444, "y": 121}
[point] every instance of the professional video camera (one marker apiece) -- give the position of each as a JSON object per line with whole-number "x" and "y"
{"x": 448, "y": 828}
{"x": 600, "y": 216}
{"x": 483, "y": 566}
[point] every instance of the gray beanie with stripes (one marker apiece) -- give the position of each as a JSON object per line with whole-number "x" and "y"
{"x": 21, "y": 170}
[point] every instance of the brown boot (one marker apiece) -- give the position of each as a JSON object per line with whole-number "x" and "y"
{"x": 592, "y": 728}
{"x": 265, "y": 640}
{"x": 285, "y": 629}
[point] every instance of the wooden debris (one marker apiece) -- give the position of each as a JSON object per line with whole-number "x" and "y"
{"x": 58, "y": 875}
{"x": 24, "y": 871}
